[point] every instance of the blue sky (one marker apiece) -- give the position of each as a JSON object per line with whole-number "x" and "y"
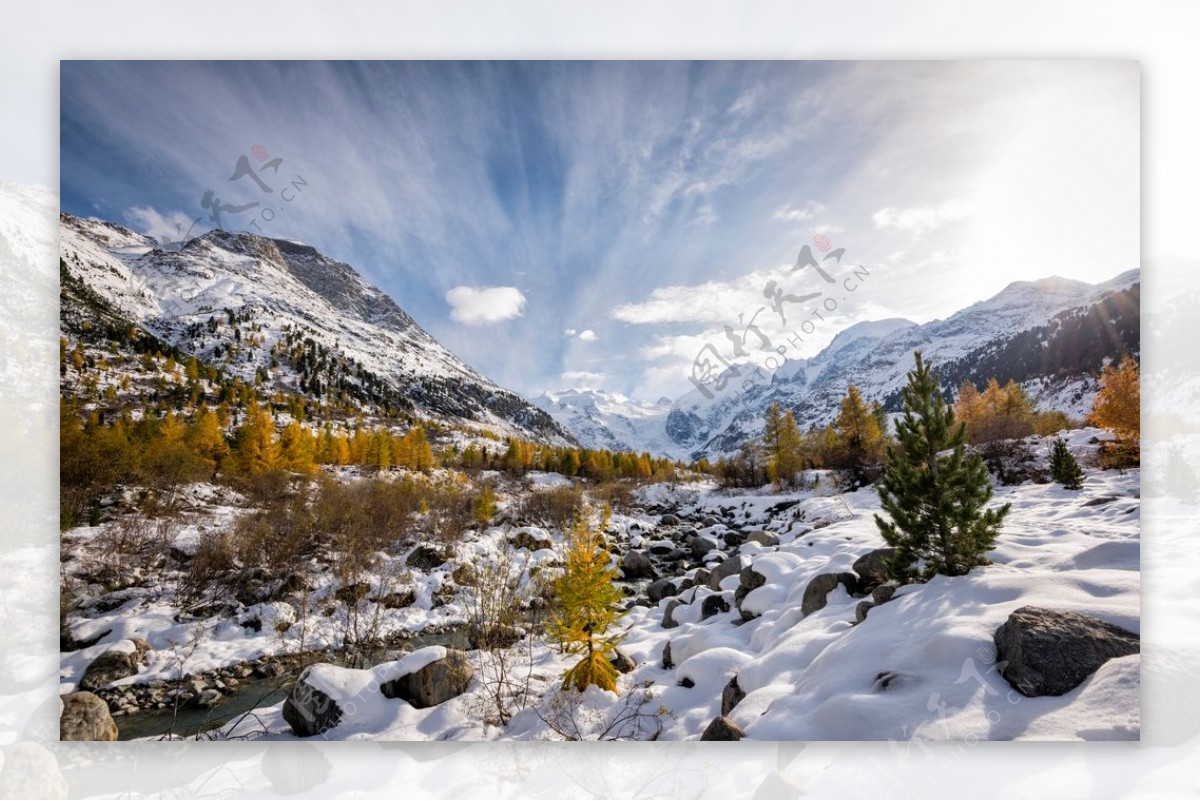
{"x": 597, "y": 223}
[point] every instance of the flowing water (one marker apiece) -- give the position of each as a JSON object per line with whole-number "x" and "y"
{"x": 251, "y": 693}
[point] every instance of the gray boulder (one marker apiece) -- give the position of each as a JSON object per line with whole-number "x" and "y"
{"x": 731, "y": 696}
{"x": 883, "y": 593}
{"x": 750, "y": 581}
{"x": 820, "y": 586}
{"x": 723, "y": 729}
{"x": 530, "y": 541}
{"x": 730, "y": 567}
{"x": 733, "y": 538}
{"x": 700, "y": 546}
{"x": 659, "y": 589}
{"x": 861, "y": 610}
{"x": 621, "y": 661}
{"x": 668, "y": 520}
{"x": 110, "y": 666}
{"x": 871, "y": 568}
{"x": 85, "y": 718}
{"x": 668, "y": 621}
{"x": 636, "y": 565}
{"x": 667, "y": 661}
{"x": 425, "y": 557}
{"x": 763, "y": 538}
{"x": 310, "y": 711}
{"x": 713, "y": 605}
{"x": 1049, "y": 652}
{"x": 708, "y": 522}
{"x": 433, "y": 684}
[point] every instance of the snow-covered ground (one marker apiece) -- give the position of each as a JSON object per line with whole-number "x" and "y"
{"x": 920, "y": 666}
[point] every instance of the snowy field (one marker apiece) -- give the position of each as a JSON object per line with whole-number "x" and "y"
{"x": 923, "y": 665}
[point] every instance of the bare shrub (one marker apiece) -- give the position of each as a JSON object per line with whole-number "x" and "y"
{"x": 504, "y": 617}
{"x": 209, "y": 572}
{"x": 635, "y": 718}
{"x": 555, "y": 507}
{"x": 278, "y": 536}
{"x": 617, "y": 494}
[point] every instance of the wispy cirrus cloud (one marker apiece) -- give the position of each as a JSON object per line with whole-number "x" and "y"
{"x": 170, "y": 227}
{"x": 652, "y": 199}
{"x": 921, "y": 220}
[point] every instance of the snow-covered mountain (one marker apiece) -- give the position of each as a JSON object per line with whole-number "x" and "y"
{"x": 282, "y": 314}
{"x": 1050, "y": 335}
{"x": 600, "y": 419}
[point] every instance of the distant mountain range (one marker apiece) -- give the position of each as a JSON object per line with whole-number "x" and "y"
{"x": 1052, "y": 336}
{"x": 282, "y": 314}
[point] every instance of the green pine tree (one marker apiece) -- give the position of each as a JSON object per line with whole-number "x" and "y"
{"x": 1063, "y": 467}
{"x": 933, "y": 491}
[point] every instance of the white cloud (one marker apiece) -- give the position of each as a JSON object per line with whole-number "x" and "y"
{"x": 583, "y": 379}
{"x": 587, "y": 336}
{"x": 570, "y": 332}
{"x": 482, "y": 305}
{"x": 713, "y": 301}
{"x": 170, "y": 227}
{"x": 808, "y": 211}
{"x": 920, "y": 220}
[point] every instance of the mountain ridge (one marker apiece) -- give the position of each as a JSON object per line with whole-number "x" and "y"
{"x": 281, "y": 314}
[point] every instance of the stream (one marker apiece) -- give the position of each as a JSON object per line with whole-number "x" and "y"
{"x": 251, "y": 693}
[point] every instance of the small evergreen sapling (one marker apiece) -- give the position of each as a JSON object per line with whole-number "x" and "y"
{"x": 1063, "y": 467}
{"x": 933, "y": 491}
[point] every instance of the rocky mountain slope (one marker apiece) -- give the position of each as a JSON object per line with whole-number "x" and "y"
{"x": 282, "y": 315}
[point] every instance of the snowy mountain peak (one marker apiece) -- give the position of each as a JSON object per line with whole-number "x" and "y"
{"x": 1050, "y": 334}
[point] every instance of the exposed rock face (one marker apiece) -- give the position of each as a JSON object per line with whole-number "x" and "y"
{"x": 871, "y": 568}
{"x": 110, "y": 666}
{"x": 433, "y": 684}
{"x": 722, "y": 729}
{"x": 636, "y": 565}
{"x": 85, "y": 717}
{"x": 731, "y": 696}
{"x": 1049, "y": 652}
{"x": 308, "y": 710}
{"x": 820, "y": 586}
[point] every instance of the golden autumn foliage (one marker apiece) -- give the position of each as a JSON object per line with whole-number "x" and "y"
{"x": 588, "y": 604}
{"x": 1118, "y": 408}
